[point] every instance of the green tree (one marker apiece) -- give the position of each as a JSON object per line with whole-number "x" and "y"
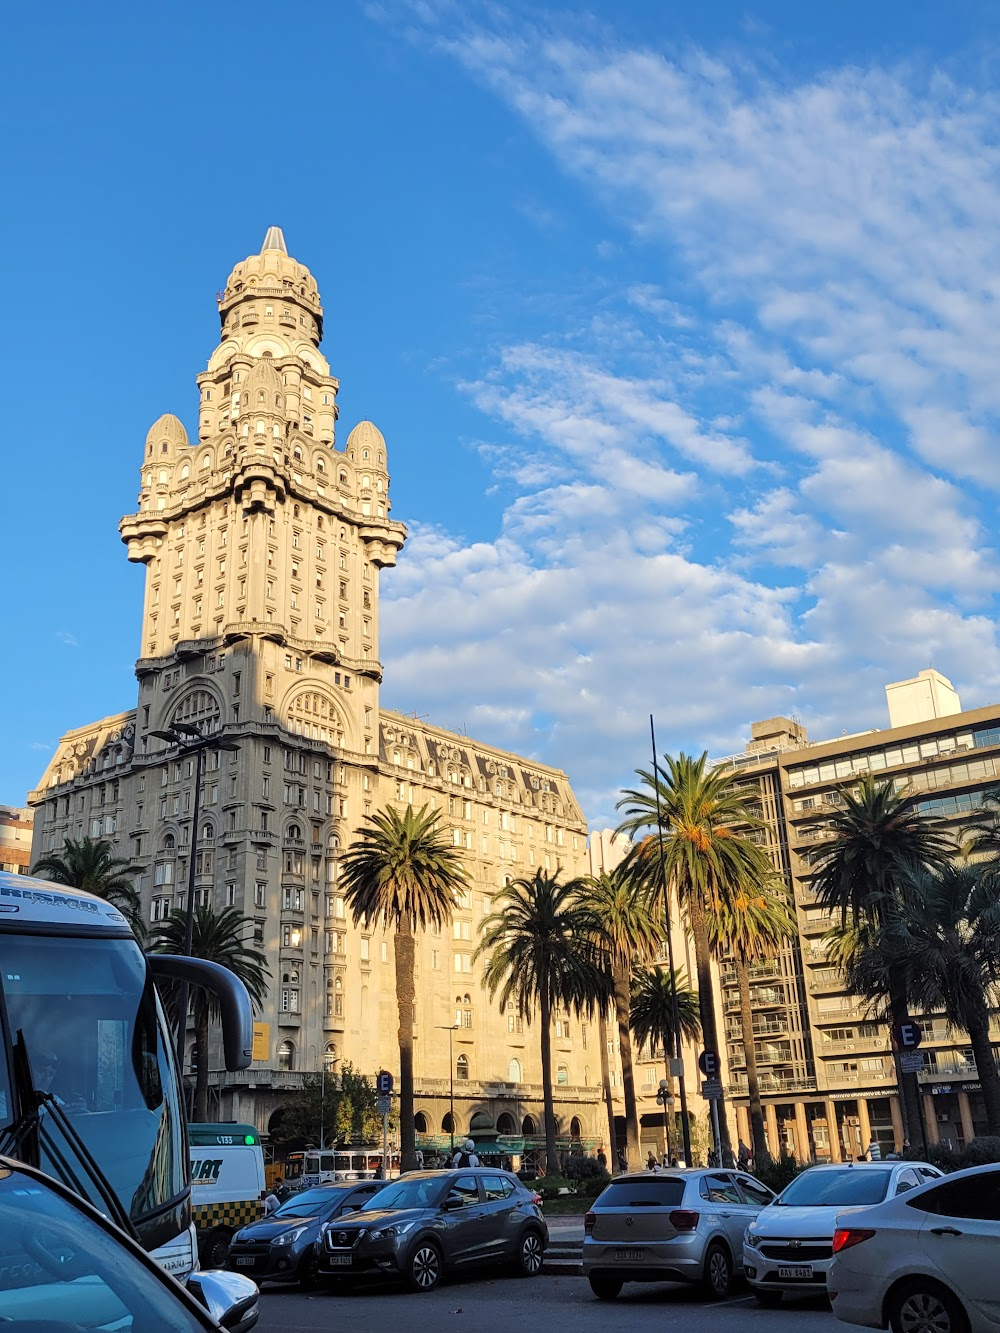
{"x": 91, "y": 864}
{"x": 877, "y": 843}
{"x": 983, "y": 837}
{"x": 628, "y": 933}
{"x": 651, "y": 1013}
{"x": 342, "y": 1108}
{"x": 538, "y": 943}
{"x": 403, "y": 872}
{"x": 749, "y": 930}
{"x": 702, "y": 817}
{"x": 220, "y": 937}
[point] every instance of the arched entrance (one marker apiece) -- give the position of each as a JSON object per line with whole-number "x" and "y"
{"x": 481, "y": 1123}
{"x": 505, "y": 1123}
{"x": 575, "y": 1128}
{"x": 420, "y": 1123}
{"x": 528, "y": 1125}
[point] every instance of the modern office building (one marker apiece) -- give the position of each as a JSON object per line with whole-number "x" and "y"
{"x": 262, "y": 543}
{"x": 826, "y": 1069}
{"x": 15, "y": 839}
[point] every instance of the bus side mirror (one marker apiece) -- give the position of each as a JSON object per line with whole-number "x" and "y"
{"x": 231, "y": 994}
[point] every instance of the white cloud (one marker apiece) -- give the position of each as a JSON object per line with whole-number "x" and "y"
{"x": 775, "y": 499}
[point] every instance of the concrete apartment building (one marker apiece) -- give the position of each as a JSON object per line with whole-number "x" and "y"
{"x": 262, "y": 544}
{"x": 827, "y": 1073}
{"x": 15, "y": 839}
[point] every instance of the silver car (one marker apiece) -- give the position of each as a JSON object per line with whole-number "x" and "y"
{"x": 670, "y": 1226}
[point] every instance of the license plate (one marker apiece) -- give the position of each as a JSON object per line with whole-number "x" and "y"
{"x": 343, "y": 1259}
{"x": 628, "y": 1256}
{"x": 800, "y": 1271}
{"x": 246, "y": 1263}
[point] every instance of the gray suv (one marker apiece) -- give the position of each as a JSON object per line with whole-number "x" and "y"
{"x": 429, "y": 1222}
{"x": 670, "y": 1226}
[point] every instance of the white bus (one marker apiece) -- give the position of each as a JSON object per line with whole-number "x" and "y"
{"x": 89, "y": 1090}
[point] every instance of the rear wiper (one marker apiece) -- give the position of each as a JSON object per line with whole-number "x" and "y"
{"x": 30, "y": 1127}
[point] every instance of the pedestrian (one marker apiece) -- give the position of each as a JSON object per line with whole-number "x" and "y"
{"x": 466, "y": 1155}
{"x": 270, "y": 1203}
{"x": 602, "y": 1159}
{"x": 728, "y": 1160}
{"x": 874, "y": 1150}
{"x": 420, "y": 1159}
{"x": 673, "y": 1162}
{"x": 744, "y": 1156}
{"x": 622, "y": 1161}
{"x": 650, "y": 1162}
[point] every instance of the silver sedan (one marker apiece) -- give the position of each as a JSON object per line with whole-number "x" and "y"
{"x": 670, "y": 1226}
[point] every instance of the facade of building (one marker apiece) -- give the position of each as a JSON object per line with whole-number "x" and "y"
{"x": 262, "y": 543}
{"x": 827, "y": 1074}
{"x": 15, "y": 839}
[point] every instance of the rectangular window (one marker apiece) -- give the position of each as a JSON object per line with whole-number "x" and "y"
{"x": 365, "y": 946}
{"x": 260, "y": 894}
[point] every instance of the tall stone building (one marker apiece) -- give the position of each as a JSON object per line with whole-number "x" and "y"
{"x": 262, "y": 543}
{"x": 826, "y": 1069}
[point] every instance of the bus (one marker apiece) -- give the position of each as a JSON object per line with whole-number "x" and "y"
{"x": 89, "y": 1087}
{"x": 303, "y": 1170}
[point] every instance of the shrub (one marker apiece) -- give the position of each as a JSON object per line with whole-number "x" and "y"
{"x": 550, "y": 1187}
{"x": 778, "y": 1172}
{"x": 579, "y": 1167}
{"x": 938, "y": 1154}
{"x": 981, "y": 1151}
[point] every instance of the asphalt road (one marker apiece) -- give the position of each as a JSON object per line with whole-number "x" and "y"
{"x": 539, "y": 1305}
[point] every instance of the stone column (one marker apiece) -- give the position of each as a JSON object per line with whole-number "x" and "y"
{"x": 803, "y": 1152}
{"x": 965, "y": 1111}
{"x": 833, "y": 1131}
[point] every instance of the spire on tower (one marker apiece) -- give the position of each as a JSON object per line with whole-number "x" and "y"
{"x": 274, "y": 240}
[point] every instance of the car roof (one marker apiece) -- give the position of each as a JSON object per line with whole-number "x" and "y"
{"x": 883, "y": 1164}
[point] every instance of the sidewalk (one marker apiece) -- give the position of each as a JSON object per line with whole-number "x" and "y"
{"x": 563, "y": 1257}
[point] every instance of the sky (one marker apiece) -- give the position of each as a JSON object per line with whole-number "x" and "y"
{"x": 681, "y": 322}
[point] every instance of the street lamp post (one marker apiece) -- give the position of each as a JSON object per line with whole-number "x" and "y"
{"x": 327, "y": 1062}
{"x": 451, "y": 1077}
{"x": 666, "y": 1099}
{"x": 190, "y": 741}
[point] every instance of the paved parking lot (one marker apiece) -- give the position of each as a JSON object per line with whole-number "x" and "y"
{"x": 540, "y": 1305}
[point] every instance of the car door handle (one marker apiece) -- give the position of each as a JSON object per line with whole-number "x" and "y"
{"x": 725, "y": 1214}
{"x": 944, "y": 1231}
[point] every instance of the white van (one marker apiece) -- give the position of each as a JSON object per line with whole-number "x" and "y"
{"x": 227, "y": 1185}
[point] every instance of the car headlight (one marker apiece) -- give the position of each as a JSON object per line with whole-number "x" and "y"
{"x": 397, "y": 1229}
{"x": 752, "y": 1238}
{"x": 289, "y": 1237}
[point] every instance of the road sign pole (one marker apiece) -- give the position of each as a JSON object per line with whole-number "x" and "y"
{"x": 385, "y": 1145}
{"x": 714, "y": 1105}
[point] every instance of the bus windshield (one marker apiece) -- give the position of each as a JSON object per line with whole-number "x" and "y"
{"x": 93, "y": 1030}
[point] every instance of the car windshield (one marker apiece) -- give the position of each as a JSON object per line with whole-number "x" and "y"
{"x": 60, "y": 1269}
{"x": 410, "y": 1192}
{"x": 310, "y": 1203}
{"x": 651, "y": 1192}
{"x": 835, "y": 1189}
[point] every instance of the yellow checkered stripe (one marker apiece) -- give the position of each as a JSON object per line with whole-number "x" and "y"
{"x": 235, "y": 1213}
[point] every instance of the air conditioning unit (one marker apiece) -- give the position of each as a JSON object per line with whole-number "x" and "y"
{"x": 943, "y": 1118}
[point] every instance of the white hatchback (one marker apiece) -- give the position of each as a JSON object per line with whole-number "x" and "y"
{"x": 927, "y": 1261}
{"x": 789, "y": 1245}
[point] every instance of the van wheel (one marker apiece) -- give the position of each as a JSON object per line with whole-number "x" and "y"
{"x": 718, "y": 1272}
{"x": 215, "y": 1250}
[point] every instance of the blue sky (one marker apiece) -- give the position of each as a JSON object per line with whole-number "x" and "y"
{"x": 682, "y": 325}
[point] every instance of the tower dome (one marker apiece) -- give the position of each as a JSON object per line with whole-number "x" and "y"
{"x": 165, "y": 437}
{"x": 272, "y": 273}
{"x": 366, "y": 435}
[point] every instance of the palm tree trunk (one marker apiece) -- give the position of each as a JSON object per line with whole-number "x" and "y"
{"x": 909, "y": 1089}
{"x": 609, "y": 1101}
{"x": 986, "y": 1067}
{"x": 201, "y": 1066}
{"x": 622, "y": 1007}
{"x": 706, "y": 998}
{"x": 548, "y": 1106}
{"x": 403, "y": 947}
{"x": 760, "y": 1151}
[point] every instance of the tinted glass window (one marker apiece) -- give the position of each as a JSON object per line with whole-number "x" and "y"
{"x": 753, "y": 1191}
{"x": 310, "y": 1203}
{"x": 839, "y": 1188}
{"x": 409, "y": 1192}
{"x": 655, "y": 1192}
{"x": 464, "y": 1191}
{"x": 719, "y": 1189}
{"x": 906, "y": 1180}
{"x": 976, "y": 1197}
{"x": 497, "y": 1187}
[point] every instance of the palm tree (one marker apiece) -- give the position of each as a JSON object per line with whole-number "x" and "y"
{"x": 751, "y": 929}
{"x": 707, "y": 859}
{"x": 652, "y": 1011}
{"x": 877, "y": 843}
{"x": 405, "y": 873}
{"x": 629, "y": 933}
{"x": 539, "y": 948}
{"x": 219, "y": 937}
{"x": 91, "y": 864}
{"x": 983, "y": 837}
{"x": 953, "y": 928}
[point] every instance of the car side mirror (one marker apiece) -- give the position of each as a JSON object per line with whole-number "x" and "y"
{"x": 230, "y": 1298}
{"x": 453, "y": 1205}
{"x": 349, "y": 1208}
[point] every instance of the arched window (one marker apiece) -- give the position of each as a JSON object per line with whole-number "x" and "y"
{"x": 420, "y": 1123}
{"x": 320, "y": 465}
{"x": 514, "y": 1073}
{"x": 448, "y": 1124}
{"x": 505, "y": 1123}
{"x": 286, "y": 1055}
{"x": 294, "y": 831}
{"x": 319, "y": 522}
{"x": 169, "y": 842}
{"x": 528, "y": 1125}
{"x": 297, "y": 453}
{"x": 331, "y": 1057}
{"x": 185, "y": 471}
{"x": 295, "y": 511}
{"x": 463, "y": 1011}
{"x": 342, "y": 477}
{"x": 208, "y": 831}
{"x": 163, "y": 474}
{"x": 562, "y": 1076}
{"x": 462, "y": 1068}
{"x": 206, "y": 462}
{"x": 575, "y": 1128}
